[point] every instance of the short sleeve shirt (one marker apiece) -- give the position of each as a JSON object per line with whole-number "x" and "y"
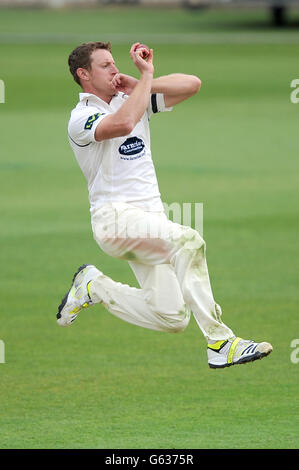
{"x": 119, "y": 169}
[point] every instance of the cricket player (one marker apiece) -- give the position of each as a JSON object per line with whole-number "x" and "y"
{"x": 109, "y": 133}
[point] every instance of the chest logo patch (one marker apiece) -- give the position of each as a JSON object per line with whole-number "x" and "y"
{"x": 131, "y": 146}
{"x": 91, "y": 120}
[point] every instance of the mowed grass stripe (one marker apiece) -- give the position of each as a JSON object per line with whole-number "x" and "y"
{"x": 152, "y": 38}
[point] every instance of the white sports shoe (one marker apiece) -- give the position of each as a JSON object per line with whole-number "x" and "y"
{"x": 78, "y": 296}
{"x": 226, "y": 353}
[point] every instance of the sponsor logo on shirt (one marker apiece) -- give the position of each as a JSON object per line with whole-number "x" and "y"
{"x": 132, "y": 146}
{"x": 91, "y": 120}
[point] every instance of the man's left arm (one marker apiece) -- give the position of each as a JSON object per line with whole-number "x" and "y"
{"x": 176, "y": 87}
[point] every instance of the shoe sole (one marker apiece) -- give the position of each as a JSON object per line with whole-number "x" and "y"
{"x": 64, "y": 300}
{"x": 245, "y": 360}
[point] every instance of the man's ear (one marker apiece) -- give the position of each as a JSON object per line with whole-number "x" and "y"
{"x": 83, "y": 74}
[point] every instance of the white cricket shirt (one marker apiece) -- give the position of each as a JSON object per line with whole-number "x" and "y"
{"x": 119, "y": 169}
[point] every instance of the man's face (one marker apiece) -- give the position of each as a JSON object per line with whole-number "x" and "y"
{"x": 101, "y": 72}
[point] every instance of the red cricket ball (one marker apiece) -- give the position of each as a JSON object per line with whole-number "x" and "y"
{"x": 145, "y": 53}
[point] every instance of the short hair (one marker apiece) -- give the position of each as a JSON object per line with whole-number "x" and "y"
{"x": 80, "y": 57}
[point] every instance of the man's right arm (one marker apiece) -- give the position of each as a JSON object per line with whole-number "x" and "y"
{"x": 123, "y": 121}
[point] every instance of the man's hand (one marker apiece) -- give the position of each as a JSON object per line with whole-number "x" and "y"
{"x": 144, "y": 66}
{"x": 124, "y": 120}
{"x": 124, "y": 83}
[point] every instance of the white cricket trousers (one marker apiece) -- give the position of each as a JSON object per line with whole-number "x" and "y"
{"x": 170, "y": 266}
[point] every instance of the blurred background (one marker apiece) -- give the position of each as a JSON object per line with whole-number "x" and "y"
{"x": 277, "y": 9}
{"x": 234, "y": 147}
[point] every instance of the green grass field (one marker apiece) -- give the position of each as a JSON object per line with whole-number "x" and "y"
{"x": 104, "y": 383}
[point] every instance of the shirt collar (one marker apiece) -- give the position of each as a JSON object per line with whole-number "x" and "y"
{"x": 94, "y": 98}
